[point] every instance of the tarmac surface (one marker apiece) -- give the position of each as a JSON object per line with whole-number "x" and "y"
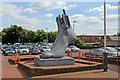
{"x": 12, "y": 71}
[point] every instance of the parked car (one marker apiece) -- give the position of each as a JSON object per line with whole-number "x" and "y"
{"x": 113, "y": 51}
{"x": 35, "y": 49}
{"x": 99, "y": 51}
{"x": 96, "y": 52}
{"x": 9, "y": 51}
{"x": 72, "y": 47}
{"x": 68, "y": 49}
{"x": 3, "y": 48}
{"x": 118, "y": 48}
{"x": 30, "y": 48}
{"x": 45, "y": 48}
{"x": 23, "y": 49}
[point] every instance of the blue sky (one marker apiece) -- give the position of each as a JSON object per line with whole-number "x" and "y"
{"x": 41, "y": 15}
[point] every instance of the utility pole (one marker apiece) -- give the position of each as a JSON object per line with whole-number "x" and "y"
{"x": 105, "y": 63}
{"x": 104, "y": 25}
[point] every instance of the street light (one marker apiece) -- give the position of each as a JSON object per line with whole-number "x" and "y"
{"x": 73, "y": 25}
{"x": 47, "y": 35}
{"x": 73, "y": 28}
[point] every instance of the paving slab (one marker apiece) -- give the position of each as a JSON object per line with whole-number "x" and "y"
{"x": 11, "y": 71}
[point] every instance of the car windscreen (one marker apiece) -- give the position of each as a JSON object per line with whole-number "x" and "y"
{"x": 22, "y": 47}
{"x": 112, "y": 49}
{"x": 9, "y": 49}
{"x": 72, "y": 47}
{"x": 45, "y": 47}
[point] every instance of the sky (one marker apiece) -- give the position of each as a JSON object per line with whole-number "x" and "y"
{"x": 34, "y": 15}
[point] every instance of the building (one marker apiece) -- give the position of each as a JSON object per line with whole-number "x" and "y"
{"x": 93, "y": 39}
{"x": 114, "y": 41}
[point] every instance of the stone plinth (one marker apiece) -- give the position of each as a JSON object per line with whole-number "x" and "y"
{"x": 54, "y": 61}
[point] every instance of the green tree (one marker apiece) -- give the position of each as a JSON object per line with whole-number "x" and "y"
{"x": 79, "y": 43}
{"x": 41, "y": 35}
{"x": 118, "y": 33}
{"x": 16, "y": 33}
{"x": 52, "y": 36}
{"x": 12, "y": 34}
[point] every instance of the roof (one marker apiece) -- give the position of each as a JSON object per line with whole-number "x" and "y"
{"x": 115, "y": 38}
{"x": 93, "y": 35}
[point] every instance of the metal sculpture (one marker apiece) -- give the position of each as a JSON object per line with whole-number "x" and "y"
{"x": 64, "y": 37}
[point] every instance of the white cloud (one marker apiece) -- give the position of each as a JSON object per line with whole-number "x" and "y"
{"x": 48, "y": 15}
{"x": 10, "y": 10}
{"x": 94, "y": 25}
{"x": 13, "y": 13}
{"x": 47, "y": 5}
{"x": 85, "y": 24}
{"x": 82, "y": 19}
{"x": 97, "y": 9}
{"x": 112, "y": 17}
{"x": 29, "y": 10}
{"x": 100, "y": 9}
{"x": 112, "y": 7}
{"x": 27, "y": 21}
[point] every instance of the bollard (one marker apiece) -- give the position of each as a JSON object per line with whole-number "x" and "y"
{"x": 105, "y": 65}
{"x": 18, "y": 58}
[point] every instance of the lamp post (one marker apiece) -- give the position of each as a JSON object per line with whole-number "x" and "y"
{"x": 74, "y": 28}
{"x": 74, "y": 25}
{"x": 47, "y": 35}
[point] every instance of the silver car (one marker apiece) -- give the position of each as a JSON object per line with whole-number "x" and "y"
{"x": 23, "y": 49}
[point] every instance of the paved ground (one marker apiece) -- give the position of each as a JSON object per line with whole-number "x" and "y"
{"x": 11, "y": 71}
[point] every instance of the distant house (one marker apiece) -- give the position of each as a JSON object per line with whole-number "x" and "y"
{"x": 114, "y": 41}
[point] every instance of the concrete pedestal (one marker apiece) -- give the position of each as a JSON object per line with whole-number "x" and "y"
{"x": 54, "y": 61}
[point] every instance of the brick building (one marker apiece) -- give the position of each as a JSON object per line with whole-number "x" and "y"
{"x": 92, "y": 39}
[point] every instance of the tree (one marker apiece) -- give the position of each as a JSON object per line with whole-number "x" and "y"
{"x": 118, "y": 33}
{"x": 79, "y": 43}
{"x": 16, "y": 33}
{"x": 52, "y": 36}
{"x": 41, "y": 35}
{"x": 12, "y": 34}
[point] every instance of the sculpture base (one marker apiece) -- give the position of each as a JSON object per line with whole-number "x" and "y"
{"x": 54, "y": 61}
